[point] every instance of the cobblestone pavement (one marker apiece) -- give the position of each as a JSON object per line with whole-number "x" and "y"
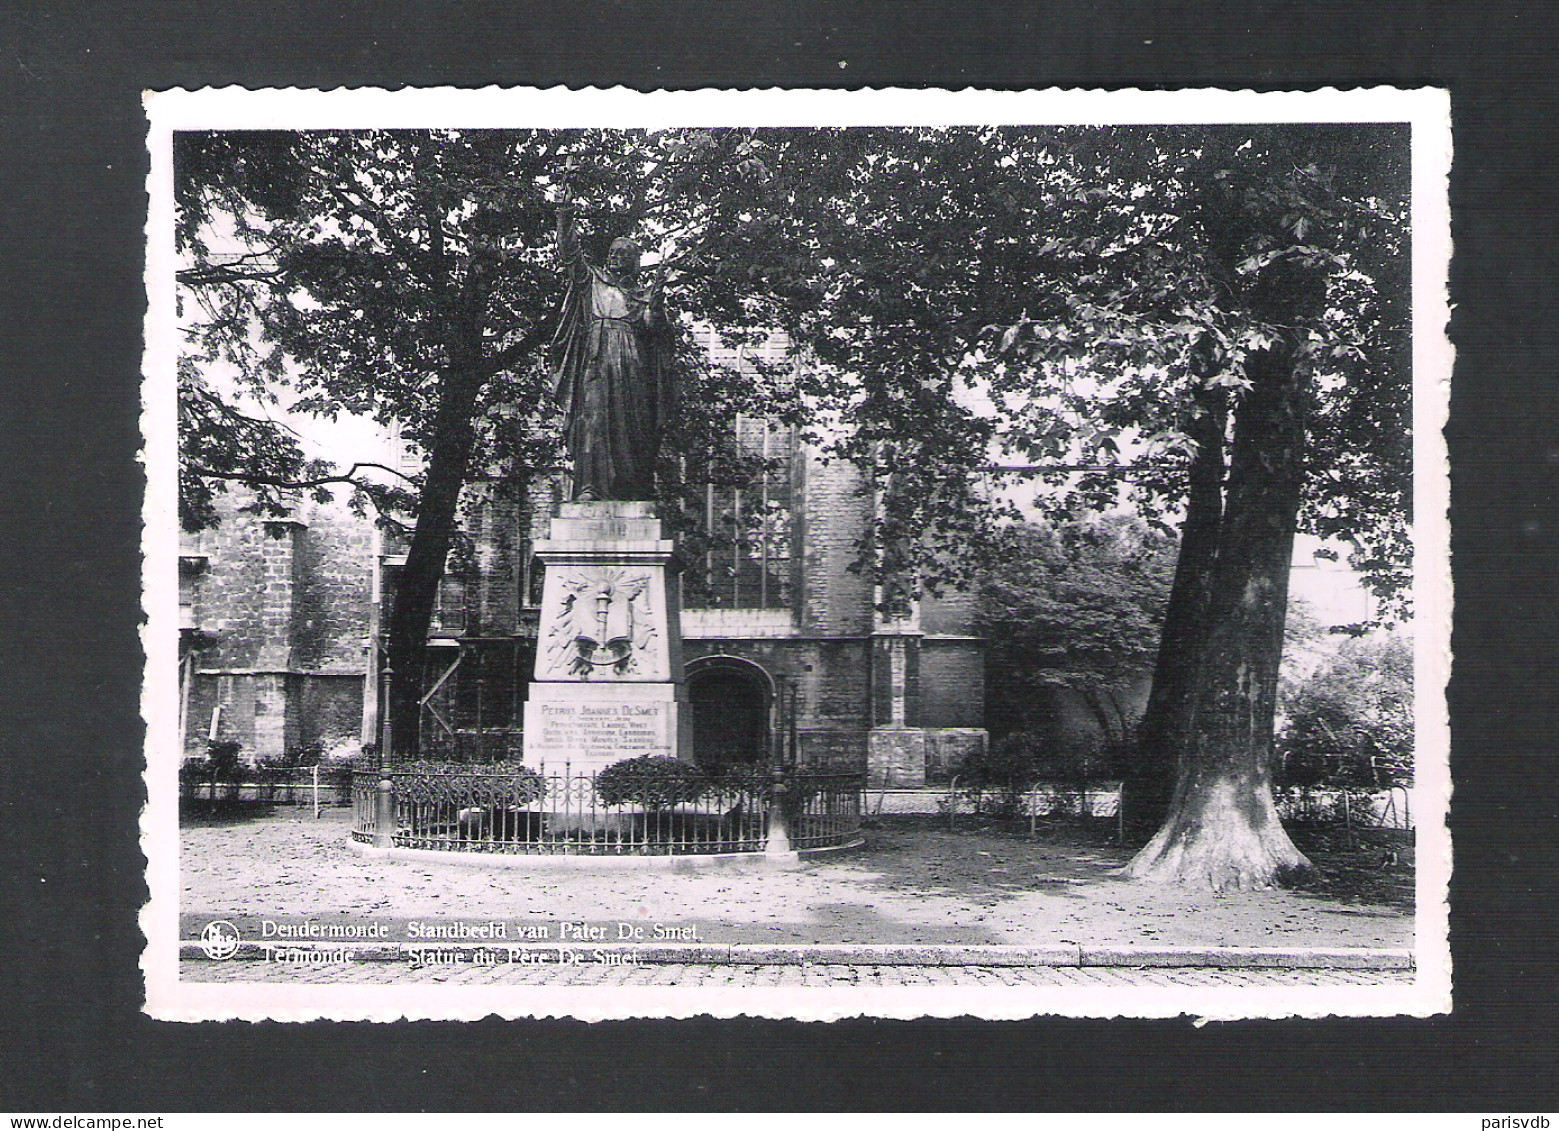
{"x": 385, "y": 973}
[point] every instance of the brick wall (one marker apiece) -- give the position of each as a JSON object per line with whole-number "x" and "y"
{"x": 289, "y": 607}
{"x": 950, "y": 613}
{"x": 229, "y": 591}
{"x": 285, "y": 606}
{"x": 952, "y": 684}
{"x": 329, "y": 708}
{"x": 835, "y": 601}
{"x": 330, "y": 602}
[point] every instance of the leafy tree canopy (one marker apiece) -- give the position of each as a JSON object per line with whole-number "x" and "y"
{"x": 1067, "y": 273}
{"x": 359, "y": 270}
{"x": 1171, "y": 259}
{"x": 1074, "y": 606}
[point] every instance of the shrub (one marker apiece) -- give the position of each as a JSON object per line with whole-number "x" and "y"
{"x": 1083, "y": 759}
{"x": 654, "y": 781}
{"x": 997, "y": 777}
{"x": 309, "y": 754}
{"x": 269, "y": 773}
{"x": 513, "y": 783}
{"x": 757, "y": 780}
{"x": 1011, "y": 763}
{"x": 222, "y": 761}
{"x": 755, "y": 776}
{"x": 224, "y": 766}
{"x": 1350, "y": 725}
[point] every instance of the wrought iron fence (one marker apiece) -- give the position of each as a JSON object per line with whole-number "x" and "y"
{"x": 365, "y": 802}
{"x": 509, "y": 808}
{"x": 269, "y": 785}
{"x": 1389, "y": 808}
{"x": 824, "y": 809}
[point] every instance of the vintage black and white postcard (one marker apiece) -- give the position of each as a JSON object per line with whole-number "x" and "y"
{"x": 796, "y": 553}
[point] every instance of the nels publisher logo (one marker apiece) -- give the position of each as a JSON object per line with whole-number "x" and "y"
{"x": 219, "y": 939}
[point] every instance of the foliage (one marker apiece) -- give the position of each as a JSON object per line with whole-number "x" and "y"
{"x": 221, "y": 765}
{"x": 363, "y": 268}
{"x": 223, "y": 761}
{"x": 193, "y": 772}
{"x": 653, "y": 780}
{"x": 999, "y": 778}
{"x": 884, "y": 251}
{"x": 1084, "y": 264}
{"x": 752, "y": 776}
{"x": 1089, "y": 283}
{"x": 1075, "y": 606}
{"x": 1089, "y": 758}
{"x": 519, "y": 785}
{"x": 999, "y": 775}
{"x": 796, "y": 786}
{"x": 1173, "y": 269}
{"x": 1237, "y": 318}
{"x": 1010, "y": 763}
{"x": 307, "y": 754}
{"x": 219, "y": 444}
{"x": 1105, "y": 291}
{"x": 1350, "y": 724}
{"x": 408, "y": 277}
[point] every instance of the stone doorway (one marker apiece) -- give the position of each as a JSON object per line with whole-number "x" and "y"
{"x": 731, "y": 702}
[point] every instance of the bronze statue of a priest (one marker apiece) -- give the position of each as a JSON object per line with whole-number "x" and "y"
{"x": 611, "y": 368}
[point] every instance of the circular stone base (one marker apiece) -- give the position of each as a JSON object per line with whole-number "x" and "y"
{"x": 539, "y": 861}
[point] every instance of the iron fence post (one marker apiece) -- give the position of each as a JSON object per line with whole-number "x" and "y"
{"x": 778, "y": 840}
{"x": 384, "y": 814}
{"x": 385, "y": 749}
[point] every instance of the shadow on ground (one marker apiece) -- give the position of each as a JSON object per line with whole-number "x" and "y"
{"x": 198, "y": 812}
{"x": 987, "y": 861}
{"x": 1365, "y": 866}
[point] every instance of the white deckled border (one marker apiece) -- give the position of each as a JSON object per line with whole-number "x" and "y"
{"x": 1428, "y": 111}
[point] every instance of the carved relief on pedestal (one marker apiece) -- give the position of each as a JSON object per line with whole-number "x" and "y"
{"x": 604, "y": 626}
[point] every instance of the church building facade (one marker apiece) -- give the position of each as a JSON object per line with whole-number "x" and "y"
{"x": 786, "y": 654}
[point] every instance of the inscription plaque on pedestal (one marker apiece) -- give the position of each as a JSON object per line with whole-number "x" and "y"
{"x": 589, "y": 727}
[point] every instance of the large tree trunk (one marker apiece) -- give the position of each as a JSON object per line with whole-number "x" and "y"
{"x": 417, "y": 590}
{"x": 1166, "y": 721}
{"x": 1222, "y": 828}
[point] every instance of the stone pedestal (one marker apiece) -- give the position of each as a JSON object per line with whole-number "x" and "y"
{"x": 608, "y": 682}
{"x": 896, "y": 758}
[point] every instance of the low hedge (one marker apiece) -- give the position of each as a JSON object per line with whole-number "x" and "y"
{"x": 520, "y": 785}
{"x": 654, "y": 781}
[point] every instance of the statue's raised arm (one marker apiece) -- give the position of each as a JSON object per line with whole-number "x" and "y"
{"x": 571, "y": 257}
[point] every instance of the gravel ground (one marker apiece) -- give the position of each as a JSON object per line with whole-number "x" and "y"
{"x": 914, "y": 881}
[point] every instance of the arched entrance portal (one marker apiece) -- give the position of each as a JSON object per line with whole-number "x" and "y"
{"x": 731, "y": 701}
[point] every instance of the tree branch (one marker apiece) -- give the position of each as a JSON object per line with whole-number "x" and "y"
{"x": 348, "y": 476}
{"x": 414, "y": 255}
{"x": 218, "y": 274}
{"x": 506, "y": 357}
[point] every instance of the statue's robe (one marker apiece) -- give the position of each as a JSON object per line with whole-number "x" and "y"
{"x": 611, "y": 372}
